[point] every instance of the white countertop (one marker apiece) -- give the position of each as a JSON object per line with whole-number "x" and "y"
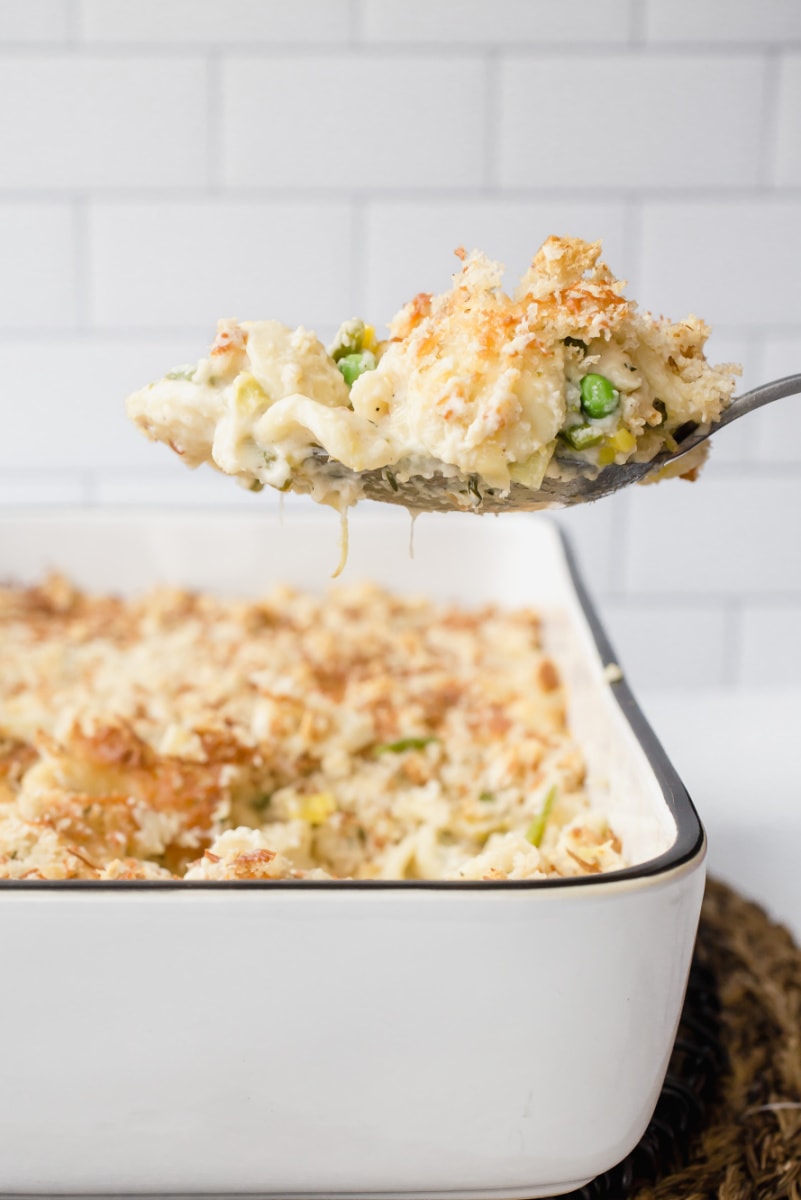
{"x": 739, "y": 754}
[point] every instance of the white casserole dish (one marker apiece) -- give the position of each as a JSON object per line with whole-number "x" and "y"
{"x": 387, "y": 1039}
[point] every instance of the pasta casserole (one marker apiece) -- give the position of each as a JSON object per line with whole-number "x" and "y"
{"x": 480, "y": 388}
{"x": 359, "y": 735}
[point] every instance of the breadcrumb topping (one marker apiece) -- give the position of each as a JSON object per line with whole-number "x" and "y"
{"x": 361, "y": 735}
{"x": 477, "y": 384}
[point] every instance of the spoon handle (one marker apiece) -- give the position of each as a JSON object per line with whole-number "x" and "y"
{"x": 766, "y": 394}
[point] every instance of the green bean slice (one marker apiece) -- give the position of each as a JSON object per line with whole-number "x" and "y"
{"x": 581, "y": 437}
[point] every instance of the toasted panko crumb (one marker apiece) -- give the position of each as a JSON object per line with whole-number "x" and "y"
{"x": 478, "y": 385}
{"x": 356, "y": 736}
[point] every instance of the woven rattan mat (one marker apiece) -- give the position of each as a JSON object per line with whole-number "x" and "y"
{"x": 728, "y": 1123}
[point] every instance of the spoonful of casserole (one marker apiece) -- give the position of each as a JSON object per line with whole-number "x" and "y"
{"x": 478, "y": 400}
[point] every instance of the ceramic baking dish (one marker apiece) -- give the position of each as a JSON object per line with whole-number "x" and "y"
{"x": 350, "y": 1039}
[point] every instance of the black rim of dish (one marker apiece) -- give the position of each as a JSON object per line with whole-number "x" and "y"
{"x": 688, "y": 844}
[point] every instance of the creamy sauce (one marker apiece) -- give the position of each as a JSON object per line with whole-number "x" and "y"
{"x": 473, "y": 385}
{"x": 343, "y": 543}
{"x": 413, "y": 515}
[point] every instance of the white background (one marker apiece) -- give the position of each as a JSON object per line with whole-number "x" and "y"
{"x": 165, "y": 163}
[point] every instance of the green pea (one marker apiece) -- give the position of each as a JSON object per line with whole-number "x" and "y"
{"x": 599, "y": 397}
{"x": 354, "y": 365}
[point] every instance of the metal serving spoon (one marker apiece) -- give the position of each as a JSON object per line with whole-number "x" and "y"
{"x": 583, "y": 483}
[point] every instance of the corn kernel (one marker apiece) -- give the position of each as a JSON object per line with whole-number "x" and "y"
{"x": 317, "y": 808}
{"x": 621, "y": 442}
{"x": 624, "y": 441}
{"x": 368, "y": 338}
{"x": 250, "y": 397}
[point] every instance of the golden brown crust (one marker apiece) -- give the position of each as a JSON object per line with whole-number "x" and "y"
{"x": 568, "y": 292}
{"x": 475, "y": 384}
{"x": 364, "y": 735}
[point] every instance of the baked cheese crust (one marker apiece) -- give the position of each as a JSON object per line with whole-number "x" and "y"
{"x": 477, "y": 385}
{"x": 357, "y": 736}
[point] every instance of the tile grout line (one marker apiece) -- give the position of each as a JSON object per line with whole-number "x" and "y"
{"x": 81, "y": 252}
{"x": 398, "y": 50}
{"x": 356, "y": 233}
{"x": 72, "y": 15}
{"x": 766, "y": 158}
{"x": 699, "y": 602}
{"x": 756, "y": 347}
{"x": 213, "y": 115}
{"x": 637, "y": 23}
{"x": 89, "y": 488}
{"x": 355, "y": 23}
{"x": 492, "y": 119}
{"x": 732, "y": 643}
{"x": 618, "y": 568}
{"x": 414, "y": 193}
{"x": 633, "y": 236}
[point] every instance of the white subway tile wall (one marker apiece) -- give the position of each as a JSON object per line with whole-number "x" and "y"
{"x": 34, "y": 21}
{"x": 172, "y": 161}
{"x": 408, "y": 245}
{"x": 204, "y": 22}
{"x": 763, "y": 660}
{"x": 683, "y": 644}
{"x": 350, "y": 120}
{"x": 503, "y": 23}
{"x": 61, "y": 400}
{"x": 81, "y": 121}
{"x": 788, "y": 131}
{"x": 777, "y": 429}
{"x": 698, "y": 116}
{"x": 39, "y": 275}
{"x": 217, "y": 258}
{"x": 765, "y": 22}
{"x": 735, "y": 261}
